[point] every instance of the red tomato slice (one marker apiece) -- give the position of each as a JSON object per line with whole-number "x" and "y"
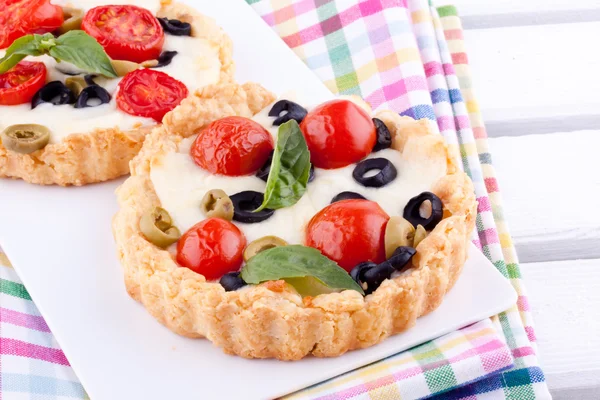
{"x": 149, "y": 93}
{"x": 338, "y": 133}
{"x": 349, "y": 232}
{"x": 212, "y": 248}
{"x": 21, "y": 17}
{"x": 126, "y": 32}
{"x": 21, "y": 83}
{"x": 232, "y": 146}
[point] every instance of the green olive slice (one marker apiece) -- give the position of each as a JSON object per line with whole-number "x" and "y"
{"x": 420, "y": 234}
{"x": 72, "y": 21}
{"x": 398, "y": 232}
{"x": 162, "y": 218}
{"x": 262, "y": 244}
{"x": 123, "y": 67}
{"x": 216, "y": 204}
{"x": 309, "y": 286}
{"x": 156, "y": 226}
{"x": 76, "y": 84}
{"x": 25, "y": 138}
{"x": 149, "y": 63}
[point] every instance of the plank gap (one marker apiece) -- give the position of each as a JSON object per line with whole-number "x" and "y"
{"x": 530, "y": 126}
{"x": 506, "y": 20}
{"x": 479, "y": 7}
{"x": 558, "y": 250}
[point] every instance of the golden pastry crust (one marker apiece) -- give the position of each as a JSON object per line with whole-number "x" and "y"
{"x": 214, "y": 102}
{"x": 104, "y": 154}
{"x": 272, "y": 320}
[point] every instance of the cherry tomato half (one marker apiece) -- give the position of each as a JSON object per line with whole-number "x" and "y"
{"x": 21, "y": 83}
{"x": 232, "y": 146}
{"x": 212, "y": 248}
{"x": 126, "y": 32}
{"x": 349, "y": 232}
{"x": 149, "y": 93}
{"x": 338, "y": 133}
{"x": 21, "y": 17}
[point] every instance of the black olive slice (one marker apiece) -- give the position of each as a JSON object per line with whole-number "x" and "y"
{"x": 401, "y": 257}
{"x": 384, "y": 137}
{"x": 358, "y": 271}
{"x": 54, "y": 92}
{"x": 347, "y": 196}
{"x": 175, "y": 27}
{"x": 370, "y": 275}
{"x": 92, "y": 92}
{"x": 387, "y": 172}
{"x": 232, "y": 281}
{"x": 375, "y": 276}
{"x": 412, "y": 214}
{"x": 89, "y": 79}
{"x": 263, "y": 172}
{"x": 165, "y": 58}
{"x": 311, "y": 174}
{"x": 293, "y": 111}
{"x": 244, "y": 204}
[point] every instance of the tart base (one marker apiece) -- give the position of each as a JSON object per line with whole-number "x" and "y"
{"x": 77, "y": 160}
{"x": 272, "y": 320}
{"x": 104, "y": 154}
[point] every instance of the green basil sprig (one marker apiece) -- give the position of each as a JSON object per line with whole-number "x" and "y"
{"x": 290, "y": 169}
{"x": 297, "y": 262}
{"x": 75, "y": 47}
{"x": 22, "y": 47}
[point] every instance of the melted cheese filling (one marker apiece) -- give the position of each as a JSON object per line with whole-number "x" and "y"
{"x": 180, "y": 185}
{"x": 197, "y": 64}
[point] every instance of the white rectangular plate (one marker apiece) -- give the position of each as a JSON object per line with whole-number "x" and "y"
{"x": 60, "y": 242}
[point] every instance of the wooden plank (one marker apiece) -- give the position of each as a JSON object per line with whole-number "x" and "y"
{"x": 529, "y": 75}
{"x": 482, "y": 8}
{"x": 551, "y": 185}
{"x": 565, "y": 297}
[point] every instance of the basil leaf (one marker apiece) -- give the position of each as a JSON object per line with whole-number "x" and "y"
{"x": 19, "y": 49}
{"x": 45, "y": 42}
{"x": 83, "y": 51}
{"x": 297, "y": 262}
{"x": 75, "y": 47}
{"x": 290, "y": 168}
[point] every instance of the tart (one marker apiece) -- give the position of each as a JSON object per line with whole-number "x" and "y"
{"x": 289, "y": 231}
{"x": 71, "y": 124}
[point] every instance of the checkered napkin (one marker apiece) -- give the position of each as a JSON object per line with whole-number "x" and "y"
{"x": 32, "y": 366}
{"x": 410, "y": 57}
{"x": 398, "y": 54}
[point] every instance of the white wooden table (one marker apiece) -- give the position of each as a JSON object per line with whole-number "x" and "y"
{"x": 536, "y": 66}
